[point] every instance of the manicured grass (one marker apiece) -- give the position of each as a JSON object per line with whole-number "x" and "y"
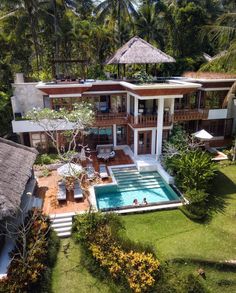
{"x": 187, "y": 244}
{"x": 70, "y": 277}
{"x": 174, "y": 236}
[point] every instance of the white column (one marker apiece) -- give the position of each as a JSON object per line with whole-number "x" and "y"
{"x": 160, "y": 114}
{"x": 172, "y": 106}
{"x": 135, "y": 142}
{"x": 135, "y": 110}
{"x": 153, "y": 141}
{"x": 128, "y": 104}
{"x": 114, "y": 135}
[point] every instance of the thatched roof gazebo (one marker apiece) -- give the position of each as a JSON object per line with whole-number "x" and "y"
{"x": 138, "y": 51}
{"x": 16, "y": 163}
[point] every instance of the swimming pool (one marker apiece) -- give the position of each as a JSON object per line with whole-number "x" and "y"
{"x": 131, "y": 184}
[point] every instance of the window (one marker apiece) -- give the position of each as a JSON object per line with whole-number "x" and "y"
{"x": 214, "y": 99}
{"x": 121, "y": 134}
{"x": 39, "y": 140}
{"x": 66, "y": 103}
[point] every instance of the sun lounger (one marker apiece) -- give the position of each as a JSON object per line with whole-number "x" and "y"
{"x": 77, "y": 191}
{"x": 103, "y": 171}
{"x": 61, "y": 194}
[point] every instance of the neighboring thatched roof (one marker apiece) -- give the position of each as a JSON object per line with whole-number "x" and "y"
{"x": 209, "y": 75}
{"x": 138, "y": 51}
{"x": 16, "y": 162}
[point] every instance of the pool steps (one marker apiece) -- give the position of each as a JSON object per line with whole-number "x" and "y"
{"x": 130, "y": 179}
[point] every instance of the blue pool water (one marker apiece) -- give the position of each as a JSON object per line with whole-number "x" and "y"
{"x": 134, "y": 185}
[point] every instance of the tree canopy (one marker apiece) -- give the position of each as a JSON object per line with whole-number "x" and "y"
{"x": 36, "y": 33}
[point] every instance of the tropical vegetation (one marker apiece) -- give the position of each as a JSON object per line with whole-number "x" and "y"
{"x": 132, "y": 267}
{"x": 33, "y": 256}
{"x": 185, "y": 245}
{"x": 194, "y": 172}
{"x": 43, "y": 39}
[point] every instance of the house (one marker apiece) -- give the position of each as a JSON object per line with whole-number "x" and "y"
{"x": 17, "y": 184}
{"x": 138, "y": 115}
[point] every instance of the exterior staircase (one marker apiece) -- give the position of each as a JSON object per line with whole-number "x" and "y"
{"x": 62, "y": 224}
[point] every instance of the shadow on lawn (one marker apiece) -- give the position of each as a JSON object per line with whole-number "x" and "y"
{"x": 216, "y": 265}
{"x": 220, "y": 192}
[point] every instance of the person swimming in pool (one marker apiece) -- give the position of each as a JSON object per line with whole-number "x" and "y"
{"x": 144, "y": 202}
{"x": 135, "y": 202}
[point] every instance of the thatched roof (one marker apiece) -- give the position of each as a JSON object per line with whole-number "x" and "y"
{"x": 16, "y": 162}
{"x": 209, "y": 75}
{"x": 138, "y": 51}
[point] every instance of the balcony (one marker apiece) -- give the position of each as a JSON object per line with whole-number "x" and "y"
{"x": 190, "y": 114}
{"x": 149, "y": 120}
{"x": 106, "y": 119}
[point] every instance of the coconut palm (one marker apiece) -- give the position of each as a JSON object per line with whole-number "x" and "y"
{"x": 116, "y": 11}
{"x": 30, "y": 9}
{"x": 223, "y": 34}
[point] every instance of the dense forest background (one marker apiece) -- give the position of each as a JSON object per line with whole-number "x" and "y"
{"x": 33, "y": 33}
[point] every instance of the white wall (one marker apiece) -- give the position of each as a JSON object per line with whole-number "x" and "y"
{"x": 30, "y": 126}
{"x": 26, "y": 97}
{"x": 217, "y": 114}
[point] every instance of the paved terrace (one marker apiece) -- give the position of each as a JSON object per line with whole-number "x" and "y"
{"x": 48, "y": 188}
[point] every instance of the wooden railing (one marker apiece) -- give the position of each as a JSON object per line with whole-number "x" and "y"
{"x": 190, "y": 114}
{"x": 111, "y": 118}
{"x": 148, "y": 120}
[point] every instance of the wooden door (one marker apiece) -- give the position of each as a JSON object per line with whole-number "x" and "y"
{"x": 144, "y": 142}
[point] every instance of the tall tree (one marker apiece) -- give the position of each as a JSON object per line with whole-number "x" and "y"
{"x": 116, "y": 12}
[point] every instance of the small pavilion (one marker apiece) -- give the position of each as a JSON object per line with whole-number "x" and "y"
{"x": 138, "y": 51}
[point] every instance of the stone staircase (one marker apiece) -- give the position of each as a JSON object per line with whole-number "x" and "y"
{"x": 62, "y": 224}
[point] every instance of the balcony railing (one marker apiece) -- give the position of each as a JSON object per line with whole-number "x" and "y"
{"x": 149, "y": 120}
{"x": 190, "y": 114}
{"x": 111, "y": 118}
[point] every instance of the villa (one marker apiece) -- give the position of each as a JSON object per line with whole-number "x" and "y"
{"x": 134, "y": 119}
{"x": 129, "y": 114}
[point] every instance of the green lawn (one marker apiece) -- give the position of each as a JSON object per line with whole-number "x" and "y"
{"x": 176, "y": 237}
{"x": 188, "y": 244}
{"x": 70, "y": 277}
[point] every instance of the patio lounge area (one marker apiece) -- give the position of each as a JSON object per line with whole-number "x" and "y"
{"x": 48, "y": 187}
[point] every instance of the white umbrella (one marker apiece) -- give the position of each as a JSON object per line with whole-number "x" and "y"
{"x": 203, "y": 135}
{"x": 69, "y": 170}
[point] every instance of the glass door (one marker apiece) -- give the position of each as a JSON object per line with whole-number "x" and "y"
{"x": 144, "y": 142}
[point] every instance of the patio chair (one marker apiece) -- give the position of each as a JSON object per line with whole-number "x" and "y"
{"x": 112, "y": 155}
{"x": 61, "y": 194}
{"x": 103, "y": 171}
{"x": 90, "y": 171}
{"x": 78, "y": 194}
{"x": 101, "y": 153}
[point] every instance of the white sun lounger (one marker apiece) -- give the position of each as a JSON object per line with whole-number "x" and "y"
{"x": 61, "y": 194}
{"x": 77, "y": 191}
{"x": 103, "y": 171}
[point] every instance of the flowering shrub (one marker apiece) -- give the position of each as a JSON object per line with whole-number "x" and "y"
{"x": 32, "y": 256}
{"x": 137, "y": 269}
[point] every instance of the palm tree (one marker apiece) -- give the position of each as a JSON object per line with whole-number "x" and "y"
{"x": 223, "y": 34}
{"x": 20, "y": 9}
{"x": 116, "y": 11}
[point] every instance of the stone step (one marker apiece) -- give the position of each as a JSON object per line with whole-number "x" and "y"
{"x": 64, "y": 234}
{"x": 140, "y": 184}
{"x": 61, "y": 220}
{"x": 61, "y": 225}
{"x": 63, "y": 229}
{"x": 130, "y": 180}
{"x": 62, "y": 215}
{"x": 137, "y": 188}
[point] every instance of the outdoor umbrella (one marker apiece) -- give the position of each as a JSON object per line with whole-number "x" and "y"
{"x": 69, "y": 170}
{"x": 202, "y": 135}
